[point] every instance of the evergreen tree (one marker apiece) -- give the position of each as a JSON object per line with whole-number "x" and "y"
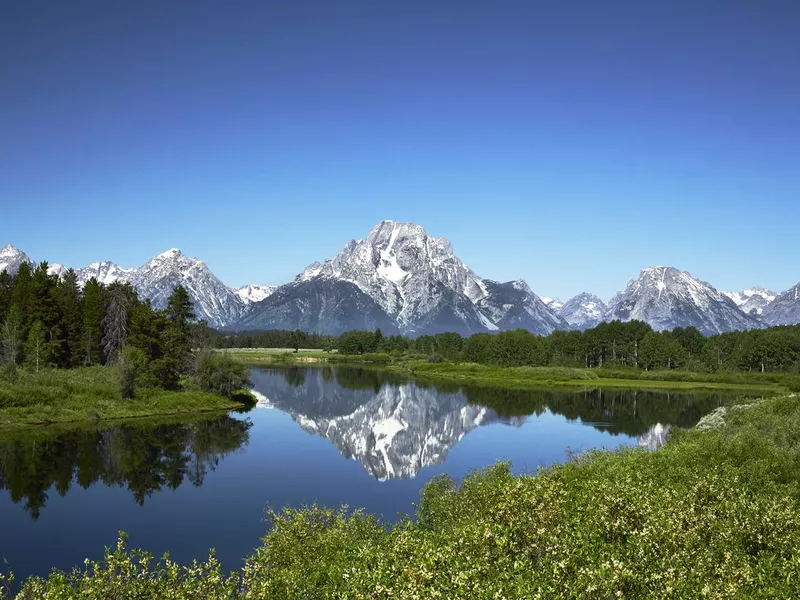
{"x": 92, "y": 330}
{"x": 6, "y": 289}
{"x": 70, "y": 322}
{"x": 21, "y": 294}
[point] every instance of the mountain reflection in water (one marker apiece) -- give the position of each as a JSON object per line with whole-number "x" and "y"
{"x": 394, "y": 426}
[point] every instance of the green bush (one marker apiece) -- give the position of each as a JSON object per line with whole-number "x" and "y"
{"x": 219, "y": 374}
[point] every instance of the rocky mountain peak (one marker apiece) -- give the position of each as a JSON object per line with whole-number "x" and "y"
{"x": 583, "y": 311}
{"x": 11, "y": 258}
{"x": 666, "y": 297}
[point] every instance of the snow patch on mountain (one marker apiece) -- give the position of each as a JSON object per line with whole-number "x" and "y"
{"x": 752, "y": 300}
{"x": 553, "y": 304}
{"x": 250, "y": 294}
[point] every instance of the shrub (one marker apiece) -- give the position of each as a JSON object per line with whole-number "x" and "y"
{"x": 220, "y": 374}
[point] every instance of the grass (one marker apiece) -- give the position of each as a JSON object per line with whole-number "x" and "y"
{"x": 91, "y": 394}
{"x": 713, "y": 514}
{"x": 532, "y": 377}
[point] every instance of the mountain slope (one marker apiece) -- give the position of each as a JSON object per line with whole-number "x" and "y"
{"x": 785, "y": 309}
{"x": 666, "y": 297}
{"x": 583, "y": 311}
{"x": 326, "y": 306}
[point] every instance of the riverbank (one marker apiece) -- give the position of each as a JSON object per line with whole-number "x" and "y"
{"x": 530, "y": 377}
{"x": 713, "y": 514}
{"x": 93, "y": 394}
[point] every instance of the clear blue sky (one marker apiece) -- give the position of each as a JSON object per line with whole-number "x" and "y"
{"x": 568, "y": 143}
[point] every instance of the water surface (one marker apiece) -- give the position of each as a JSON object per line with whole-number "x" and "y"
{"x": 327, "y": 435}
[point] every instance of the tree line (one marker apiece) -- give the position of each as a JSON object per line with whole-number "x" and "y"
{"x": 47, "y": 321}
{"x": 615, "y": 344}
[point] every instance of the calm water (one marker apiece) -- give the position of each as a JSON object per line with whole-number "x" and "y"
{"x": 331, "y": 436}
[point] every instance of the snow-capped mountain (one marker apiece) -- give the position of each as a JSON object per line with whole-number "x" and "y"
{"x": 415, "y": 280}
{"x": 11, "y": 258}
{"x": 784, "y": 309}
{"x": 255, "y": 293}
{"x": 105, "y": 272}
{"x": 666, "y": 297}
{"x": 584, "y": 311}
{"x": 553, "y": 304}
{"x": 753, "y": 300}
{"x": 57, "y": 270}
{"x": 213, "y": 300}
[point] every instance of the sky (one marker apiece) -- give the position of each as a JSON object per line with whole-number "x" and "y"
{"x": 567, "y": 143}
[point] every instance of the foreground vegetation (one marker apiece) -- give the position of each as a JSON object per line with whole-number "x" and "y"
{"x": 714, "y": 514}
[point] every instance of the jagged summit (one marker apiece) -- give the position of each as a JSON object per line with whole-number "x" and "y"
{"x": 419, "y": 283}
{"x": 169, "y": 254}
{"x": 11, "y": 258}
{"x": 666, "y": 297}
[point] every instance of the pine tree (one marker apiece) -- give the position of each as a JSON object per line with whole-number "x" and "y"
{"x": 70, "y": 319}
{"x": 180, "y": 314}
{"x": 91, "y": 334}
{"x": 6, "y": 289}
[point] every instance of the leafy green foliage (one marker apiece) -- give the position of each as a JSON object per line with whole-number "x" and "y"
{"x": 219, "y": 374}
{"x": 711, "y": 515}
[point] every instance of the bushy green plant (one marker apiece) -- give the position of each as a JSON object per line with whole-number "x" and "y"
{"x": 219, "y": 374}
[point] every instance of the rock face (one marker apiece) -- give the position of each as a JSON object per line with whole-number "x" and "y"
{"x": 752, "y": 301}
{"x": 785, "y": 309}
{"x": 11, "y": 258}
{"x": 584, "y": 311}
{"x": 415, "y": 280}
{"x": 666, "y": 298}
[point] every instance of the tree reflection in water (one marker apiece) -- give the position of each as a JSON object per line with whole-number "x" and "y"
{"x": 144, "y": 456}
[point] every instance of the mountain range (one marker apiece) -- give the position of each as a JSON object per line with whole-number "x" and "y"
{"x": 402, "y": 280}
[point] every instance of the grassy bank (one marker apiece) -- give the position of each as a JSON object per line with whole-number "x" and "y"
{"x": 531, "y": 377}
{"x": 91, "y": 394}
{"x": 714, "y": 514}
